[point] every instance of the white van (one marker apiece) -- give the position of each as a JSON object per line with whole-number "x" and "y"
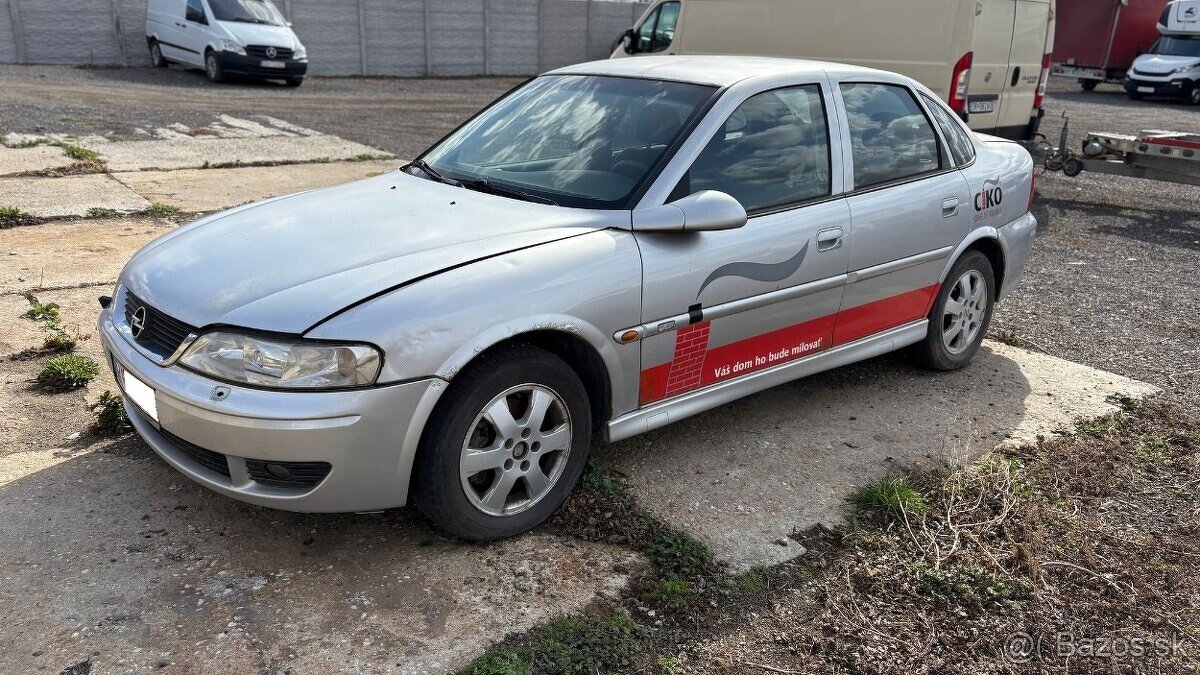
{"x": 1171, "y": 67}
{"x": 988, "y": 59}
{"x": 247, "y": 38}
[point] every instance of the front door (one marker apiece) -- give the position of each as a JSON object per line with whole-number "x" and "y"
{"x": 725, "y": 304}
{"x": 193, "y": 32}
{"x": 909, "y": 208}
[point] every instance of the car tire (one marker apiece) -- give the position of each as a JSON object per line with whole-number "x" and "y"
{"x": 1088, "y": 85}
{"x": 156, "y": 57}
{"x": 1135, "y": 96}
{"x": 960, "y": 315}
{"x": 482, "y": 475}
{"x": 295, "y": 81}
{"x": 1194, "y": 96}
{"x": 212, "y": 67}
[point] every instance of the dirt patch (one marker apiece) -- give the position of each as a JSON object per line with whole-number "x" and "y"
{"x": 72, "y": 252}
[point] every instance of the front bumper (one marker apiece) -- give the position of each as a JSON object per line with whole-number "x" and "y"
{"x": 367, "y": 437}
{"x": 251, "y": 66}
{"x": 1178, "y": 87}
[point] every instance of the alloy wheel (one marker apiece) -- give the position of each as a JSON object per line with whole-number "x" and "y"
{"x": 516, "y": 450}
{"x": 210, "y": 67}
{"x": 964, "y": 312}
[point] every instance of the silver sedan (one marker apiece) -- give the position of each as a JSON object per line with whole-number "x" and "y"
{"x": 607, "y": 249}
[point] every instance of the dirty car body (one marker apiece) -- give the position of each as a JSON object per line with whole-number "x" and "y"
{"x": 611, "y": 247}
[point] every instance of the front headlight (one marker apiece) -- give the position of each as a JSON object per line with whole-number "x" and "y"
{"x": 1183, "y": 69}
{"x": 232, "y": 46}
{"x": 282, "y": 364}
{"x": 300, "y": 54}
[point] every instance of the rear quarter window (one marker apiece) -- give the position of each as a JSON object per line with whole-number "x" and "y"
{"x": 961, "y": 147}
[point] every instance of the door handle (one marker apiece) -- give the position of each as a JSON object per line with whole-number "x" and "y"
{"x": 1016, "y": 75}
{"x": 949, "y": 207}
{"x": 829, "y": 239}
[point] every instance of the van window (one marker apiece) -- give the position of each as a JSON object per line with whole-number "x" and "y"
{"x": 195, "y": 12}
{"x": 247, "y": 11}
{"x": 961, "y": 147}
{"x": 772, "y": 151}
{"x": 890, "y": 138}
{"x": 658, "y": 30}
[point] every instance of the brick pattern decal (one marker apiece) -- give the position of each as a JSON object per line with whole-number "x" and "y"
{"x": 691, "y": 344}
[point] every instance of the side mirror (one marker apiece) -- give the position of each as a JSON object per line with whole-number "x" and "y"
{"x": 703, "y": 211}
{"x": 627, "y": 40}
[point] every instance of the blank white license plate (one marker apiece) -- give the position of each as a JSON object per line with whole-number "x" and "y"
{"x": 981, "y": 106}
{"x": 1146, "y": 90}
{"x": 140, "y": 393}
{"x": 272, "y": 64}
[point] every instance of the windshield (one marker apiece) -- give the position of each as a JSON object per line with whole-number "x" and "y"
{"x": 1178, "y": 45}
{"x": 246, "y": 11}
{"x": 576, "y": 140}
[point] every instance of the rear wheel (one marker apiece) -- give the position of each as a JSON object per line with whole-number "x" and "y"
{"x": 1088, "y": 85}
{"x": 960, "y": 315}
{"x": 505, "y": 446}
{"x": 156, "y": 58}
{"x": 212, "y": 67}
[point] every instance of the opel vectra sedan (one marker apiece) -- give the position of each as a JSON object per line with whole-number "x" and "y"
{"x": 607, "y": 249}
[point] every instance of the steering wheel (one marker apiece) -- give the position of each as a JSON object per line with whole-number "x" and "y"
{"x": 634, "y": 168}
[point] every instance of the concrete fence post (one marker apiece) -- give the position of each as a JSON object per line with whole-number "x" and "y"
{"x": 587, "y": 31}
{"x": 428, "y": 40}
{"x": 541, "y": 33}
{"x": 116, "y": 10}
{"x": 362, "y": 39}
{"x": 487, "y": 37}
{"x": 287, "y": 9}
{"x": 14, "y": 11}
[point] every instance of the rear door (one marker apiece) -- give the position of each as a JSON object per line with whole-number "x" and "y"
{"x": 989, "y": 70}
{"x": 1031, "y": 20}
{"x": 909, "y": 208}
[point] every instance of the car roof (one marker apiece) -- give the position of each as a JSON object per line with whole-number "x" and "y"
{"x": 720, "y": 71}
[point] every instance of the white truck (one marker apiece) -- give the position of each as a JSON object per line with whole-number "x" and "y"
{"x": 988, "y": 59}
{"x": 1171, "y": 67}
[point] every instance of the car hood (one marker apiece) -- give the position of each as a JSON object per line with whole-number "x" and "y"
{"x": 260, "y": 34}
{"x": 1163, "y": 64}
{"x": 289, "y": 263}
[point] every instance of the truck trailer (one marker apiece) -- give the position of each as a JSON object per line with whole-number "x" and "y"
{"x": 1097, "y": 40}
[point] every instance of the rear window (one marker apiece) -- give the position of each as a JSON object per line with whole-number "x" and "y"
{"x": 961, "y": 147}
{"x": 890, "y": 138}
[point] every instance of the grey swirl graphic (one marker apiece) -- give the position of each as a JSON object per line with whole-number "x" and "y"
{"x": 757, "y": 271}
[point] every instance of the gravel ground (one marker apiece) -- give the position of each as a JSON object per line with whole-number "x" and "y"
{"x": 1111, "y": 283}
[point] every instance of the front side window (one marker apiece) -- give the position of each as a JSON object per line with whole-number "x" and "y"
{"x": 890, "y": 138}
{"x": 576, "y": 140}
{"x": 772, "y": 151}
{"x": 961, "y": 147}
{"x": 246, "y": 11}
{"x": 658, "y": 30}
{"x": 195, "y": 12}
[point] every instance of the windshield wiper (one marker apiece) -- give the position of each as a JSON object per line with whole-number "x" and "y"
{"x": 433, "y": 173}
{"x": 485, "y": 185}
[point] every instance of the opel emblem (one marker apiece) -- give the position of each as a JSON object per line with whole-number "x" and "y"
{"x": 272, "y": 52}
{"x": 138, "y": 323}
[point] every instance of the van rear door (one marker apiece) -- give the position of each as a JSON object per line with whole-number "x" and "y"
{"x": 1010, "y": 43}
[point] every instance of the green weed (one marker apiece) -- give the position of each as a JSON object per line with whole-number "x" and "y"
{"x": 68, "y": 372}
{"x": 892, "y": 495}
{"x": 110, "y": 413}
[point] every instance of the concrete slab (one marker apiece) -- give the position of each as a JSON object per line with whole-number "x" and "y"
{"x": 194, "y": 190}
{"x": 113, "y": 557}
{"x": 741, "y": 478}
{"x": 69, "y": 253}
{"x": 196, "y": 153}
{"x": 69, "y": 196}
{"x": 37, "y": 158}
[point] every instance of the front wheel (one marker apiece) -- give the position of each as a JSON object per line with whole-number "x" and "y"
{"x": 295, "y": 81}
{"x": 212, "y": 68}
{"x": 1194, "y": 97}
{"x": 1088, "y": 85}
{"x": 1135, "y": 96}
{"x": 960, "y": 315}
{"x": 156, "y": 57}
{"x": 505, "y": 445}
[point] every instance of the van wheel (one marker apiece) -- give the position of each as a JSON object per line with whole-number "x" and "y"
{"x": 960, "y": 316}
{"x": 212, "y": 67}
{"x": 1135, "y": 95}
{"x": 1088, "y": 85}
{"x": 1194, "y": 97}
{"x": 295, "y": 81}
{"x": 505, "y": 445}
{"x": 156, "y": 57}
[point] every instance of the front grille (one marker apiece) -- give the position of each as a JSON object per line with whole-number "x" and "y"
{"x": 1149, "y": 74}
{"x": 295, "y": 475}
{"x": 213, "y": 461}
{"x": 260, "y": 51}
{"x": 161, "y": 334}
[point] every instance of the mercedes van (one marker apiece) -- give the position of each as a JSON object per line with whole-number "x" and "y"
{"x": 248, "y": 38}
{"x": 988, "y": 59}
{"x": 1171, "y": 67}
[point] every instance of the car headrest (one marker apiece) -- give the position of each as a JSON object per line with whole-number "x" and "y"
{"x": 658, "y": 124}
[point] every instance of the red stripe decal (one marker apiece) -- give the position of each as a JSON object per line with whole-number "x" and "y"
{"x": 858, "y": 322}
{"x": 694, "y": 365}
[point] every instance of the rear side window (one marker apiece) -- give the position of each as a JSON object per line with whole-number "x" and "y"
{"x": 961, "y": 147}
{"x": 772, "y": 151}
{"x": 890, "y": 138}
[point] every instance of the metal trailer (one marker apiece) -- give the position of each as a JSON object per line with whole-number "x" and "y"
{"x": 1169, "y": 156}
{"x": 1097, "y": 41}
